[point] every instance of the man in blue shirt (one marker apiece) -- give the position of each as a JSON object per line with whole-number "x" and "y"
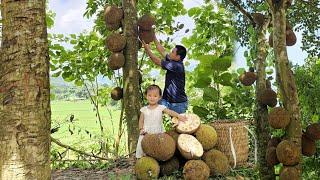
{"x": 174, "y": 96}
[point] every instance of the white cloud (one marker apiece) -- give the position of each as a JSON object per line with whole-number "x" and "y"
{"x": 69, "y": 17}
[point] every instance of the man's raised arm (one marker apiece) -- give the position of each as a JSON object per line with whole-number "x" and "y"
{"x": 159, "y": 47}
{"x": 153, "y": 57}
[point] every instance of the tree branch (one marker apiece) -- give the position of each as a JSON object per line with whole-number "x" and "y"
{"x": 75, "y": 150}
{"x": 243, "y": 11}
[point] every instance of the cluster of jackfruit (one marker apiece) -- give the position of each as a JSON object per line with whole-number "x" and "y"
{"x": 188, "y": 147}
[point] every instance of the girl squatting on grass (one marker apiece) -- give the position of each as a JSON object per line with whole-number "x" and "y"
{"x": 150, "y": 120}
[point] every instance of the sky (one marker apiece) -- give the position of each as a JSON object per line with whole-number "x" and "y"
{"x": 69, "y": 20}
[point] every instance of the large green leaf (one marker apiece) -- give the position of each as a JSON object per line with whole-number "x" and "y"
{"x": 200, "y": 111}
{"x": 225, "y": 79}
{"x": 207, "y": 59}
{"x": 222, "y": 64}
{"x": 202, "y": 82}
{"x": 210, "y": 94}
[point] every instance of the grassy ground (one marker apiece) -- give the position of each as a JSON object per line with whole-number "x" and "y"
{"x": 76, "y": 131}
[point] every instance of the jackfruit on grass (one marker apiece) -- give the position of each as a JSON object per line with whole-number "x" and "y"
{"x": 147, "y": 168}
{"x": 116, "y": 61}
{"x": 207, "y": 136}
{"x": 113, "y": 14}
{"x": 271, "y": 156}
{"x": 309, "y": 146}
{"x": 160, "y": 146}
{"x": 274, "y": 141}
{"x": 288, "y": 153}
{"x": 115, "y": 42}
{"x": 313, "y": 131}
{"x": 168, "y": 167}
{"x": 279, "y": 118}
{"x": 117, "y": 93}
{"x": 196, "y": 170}
{"x": 289, "y": 173}
{"x": 187, "y": 127}
{"x": 146, "y": 22}
{"x": 189, "y": 146}
{"x": 217, "y": 162}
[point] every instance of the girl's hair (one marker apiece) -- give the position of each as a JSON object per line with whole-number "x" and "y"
{"x": 153, "y": 87}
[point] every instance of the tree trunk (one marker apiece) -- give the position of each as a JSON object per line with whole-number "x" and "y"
{"x": 261, "y": 112}
{"x": 24, "y": 92}
{"x": 131, "y": 96}
{"x": 285, "y": 77}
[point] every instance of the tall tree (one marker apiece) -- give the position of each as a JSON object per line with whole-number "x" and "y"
{"x": 285, "y": 78}
{"x": 256, "y": 30}
{"x": 24, "y": 92}
{"x": 131, "y": 98}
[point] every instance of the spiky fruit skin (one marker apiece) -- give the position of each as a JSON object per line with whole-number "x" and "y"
{"x": 207, "y": 136}
{"x": 288, "y": 153}
{"x": 196, "y": 170}
{"x": 160, "y": 146}
{"x": 146, "y": 36}
{"x": 146, "y": 22}
{"x": 170, "y": 166}
{"x": 268, "y": 97}
{"x": 117, "y": 93}
{"x": 173, "y": 134}
{"x": 258, "y": 18}
{"x": 147, "y": 168}
{"x": 217, "y": 162}
{"x": 289, "y": 173}
{"x": 248, "y": 78}
{"x": 279, "y": 118}
{"x": 309, "y": 146}
{"x": 116, "y": 61}
{"x": 274, "y": 141}
{"x": 115, "y": 42}
{"x": 113, "y": 26}
{"x": 112, "y": 14}
{"x": 187, "y": 127}
{"x": 271, "y": 156}
{"x": 189, "y": 146}
{"x": 291, "y": 38}
{"x": 313, "y": 131}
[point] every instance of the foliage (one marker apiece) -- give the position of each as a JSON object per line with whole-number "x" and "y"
{"x": 223, "y": 97}
{"x": 301, "y": 16}
{"x": 214, "y": 32}
{"x": 242, "y": 24}
{"x": 308, "y": 81}
{"x": 85, "y": 61}
{"x": 214, "y": 35}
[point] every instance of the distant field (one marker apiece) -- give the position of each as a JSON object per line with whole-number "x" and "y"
{"x": 84, "y": 123}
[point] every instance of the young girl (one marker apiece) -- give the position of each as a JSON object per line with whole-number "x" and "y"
{"x": 150, "y": 120}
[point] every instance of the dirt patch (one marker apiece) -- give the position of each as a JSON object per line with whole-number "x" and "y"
{"x": 122, "y": 169}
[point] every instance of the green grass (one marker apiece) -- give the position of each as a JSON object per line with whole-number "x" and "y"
{"x": 77, "y": 133}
